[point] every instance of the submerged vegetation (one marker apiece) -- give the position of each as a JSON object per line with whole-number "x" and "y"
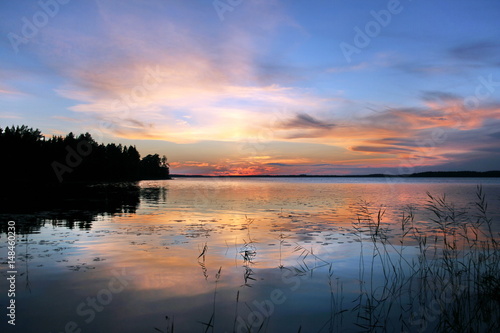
{"x": 30, "y": 157}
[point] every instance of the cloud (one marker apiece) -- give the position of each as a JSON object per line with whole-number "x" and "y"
{"x": 9, "y": 91}
{"x": 9, "y": 116}
{"x": 304, "y": 120}
{"x": 303, "y": 125}
{"x": 478, "y": 51}
{"x": 167, "y": 83}
{"x": 405, "y": 142}
{"x": 172, "y": 71}
{"x": 440, "y": 96}
{"x": 495, "y": 135}
{"x": 381, "y": 149}
{"x": 420, "y": 136}
{"x": 426, "y": 68}
{"x": 223, "y": 168}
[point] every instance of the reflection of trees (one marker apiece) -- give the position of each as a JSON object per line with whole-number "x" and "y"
{"x": 154, "y": 194}
{"x": 68, "y": 206}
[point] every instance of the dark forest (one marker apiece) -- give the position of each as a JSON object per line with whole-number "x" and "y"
{"x": 28, "y": 156}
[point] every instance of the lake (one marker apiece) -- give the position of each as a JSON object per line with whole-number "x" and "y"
{"x": 253, "y": 255}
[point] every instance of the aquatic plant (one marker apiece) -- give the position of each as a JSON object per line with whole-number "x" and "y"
{"x": 439, "y": 276}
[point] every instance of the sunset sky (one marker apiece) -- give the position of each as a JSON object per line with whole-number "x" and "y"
{"x": 262, "y": 86}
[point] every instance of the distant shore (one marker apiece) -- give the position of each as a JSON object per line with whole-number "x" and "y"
{"x": 434, "y": 174}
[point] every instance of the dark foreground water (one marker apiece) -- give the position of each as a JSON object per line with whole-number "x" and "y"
{"x": 227, "y": 255}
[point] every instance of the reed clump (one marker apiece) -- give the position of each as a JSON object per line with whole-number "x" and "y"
{"x": 438, "y": 275}
{"x": 450, "y": 284}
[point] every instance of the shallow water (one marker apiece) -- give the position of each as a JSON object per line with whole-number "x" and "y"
{"x": 216, "y": 253}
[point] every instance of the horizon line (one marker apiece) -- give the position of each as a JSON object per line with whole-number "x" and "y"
{"x": 467, "y": 173}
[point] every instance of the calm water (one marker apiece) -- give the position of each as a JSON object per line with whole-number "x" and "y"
{"x": 219, "y": 254}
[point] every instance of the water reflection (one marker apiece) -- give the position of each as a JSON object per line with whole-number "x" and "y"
{"x": 70, "y": 206}
{"x": 153, "y": 194}
{"x": 282, "y": 255}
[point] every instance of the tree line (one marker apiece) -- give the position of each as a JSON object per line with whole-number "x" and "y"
{"x": 29, "y": 156}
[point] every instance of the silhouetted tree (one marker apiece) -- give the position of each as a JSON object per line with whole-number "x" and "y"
{"x": 153, "y": 167}
{"x": 27, "y": 156}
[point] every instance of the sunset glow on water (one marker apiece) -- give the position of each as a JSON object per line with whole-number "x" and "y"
{"x": 270, "y": 238}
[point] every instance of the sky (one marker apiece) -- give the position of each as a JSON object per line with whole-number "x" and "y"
{"x": 248, "y": 87}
